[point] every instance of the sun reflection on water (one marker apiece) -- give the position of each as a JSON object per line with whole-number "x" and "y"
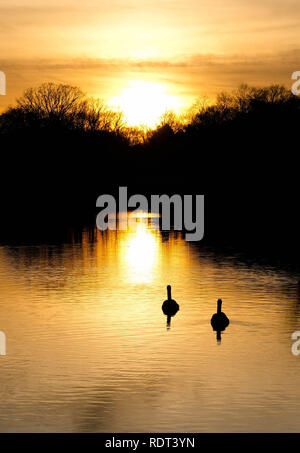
{"x": 140, "y": 251}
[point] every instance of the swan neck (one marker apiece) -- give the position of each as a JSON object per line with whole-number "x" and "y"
{"x": 219, "y": 306}
{"x": 169, "y": 292}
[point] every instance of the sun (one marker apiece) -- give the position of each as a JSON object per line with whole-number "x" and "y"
{"x": 143, "y": 103}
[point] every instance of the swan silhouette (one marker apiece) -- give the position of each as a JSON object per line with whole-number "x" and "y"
{"x": 219, "y": 321}
{"x": 170, "y": 307}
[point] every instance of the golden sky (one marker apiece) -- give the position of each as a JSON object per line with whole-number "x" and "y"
{"x": 190, "y": 47}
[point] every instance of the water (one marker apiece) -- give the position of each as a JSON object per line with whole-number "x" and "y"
{"x": 88, "y": 349}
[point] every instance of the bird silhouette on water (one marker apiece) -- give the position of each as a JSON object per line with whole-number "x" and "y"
{"x": 219, "y": 321}
{"x": 170, "y": 307}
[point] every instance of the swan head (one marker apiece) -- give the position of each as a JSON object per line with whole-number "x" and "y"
{"x": 169, "y": 291}
{"x": 219, "y": 305}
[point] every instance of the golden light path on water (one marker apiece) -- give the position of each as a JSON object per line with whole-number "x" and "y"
{"x": 140, "y": 248}
{"x": 141, "y": 255}
{"x": 88, "y": 348}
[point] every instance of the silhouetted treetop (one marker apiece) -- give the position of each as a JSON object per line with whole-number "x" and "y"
{"x": 60, "y": 107}
{"x": 52, "y": 99}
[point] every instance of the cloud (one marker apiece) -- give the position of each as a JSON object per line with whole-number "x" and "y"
{"x": 188, "y": 75}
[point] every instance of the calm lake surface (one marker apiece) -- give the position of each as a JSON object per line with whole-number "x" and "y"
{"x": 88, "y": 349}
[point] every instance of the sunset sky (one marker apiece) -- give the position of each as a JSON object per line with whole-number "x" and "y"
{"x": 186, "y": 48}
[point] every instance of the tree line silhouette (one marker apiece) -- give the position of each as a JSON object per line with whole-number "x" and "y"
{"x": 60, "y": 150}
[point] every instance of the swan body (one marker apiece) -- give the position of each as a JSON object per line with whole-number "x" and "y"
{"x": 170, "y": 307}
{"x": 219, "y": 320}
